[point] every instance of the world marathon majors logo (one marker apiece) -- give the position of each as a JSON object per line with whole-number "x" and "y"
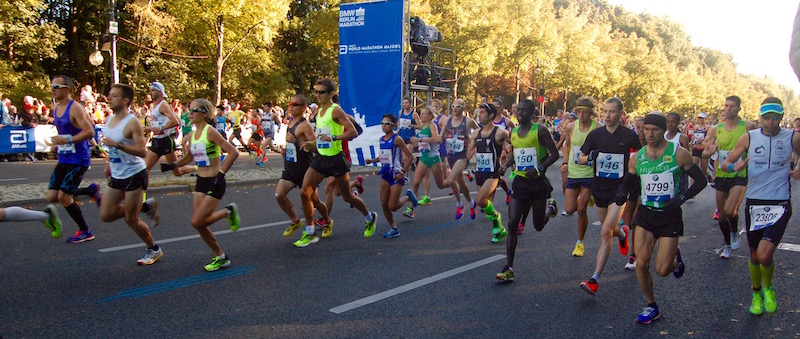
{"x": 352, "y": 17}
{"x": 19, "y": 139}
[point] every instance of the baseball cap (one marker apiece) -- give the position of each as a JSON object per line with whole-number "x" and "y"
{"x": 313, "y": 105}
{"x": 702, "y": 115}
{"x": 159, "y": 87}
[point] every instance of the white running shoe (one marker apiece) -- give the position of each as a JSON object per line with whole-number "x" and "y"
{"x": 726, "y": 252}
{"x": 735, "y": 241}
{"x": 150, "y": 257}
{"x": 631, "y": 265}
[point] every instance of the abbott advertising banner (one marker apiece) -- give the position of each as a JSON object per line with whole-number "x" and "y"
{"x": 370, "y": 67}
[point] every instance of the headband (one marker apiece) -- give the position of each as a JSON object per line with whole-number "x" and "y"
{"x": 656, "y": 119}
{"x": 771, "y": 108}
{"x": 586, "y": 107}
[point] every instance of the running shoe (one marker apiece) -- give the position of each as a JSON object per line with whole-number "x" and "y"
{"x": 564, "y": 213}
{"x": 218, "y": 263}
{"x": 499, "y": 237}
{"x": 520, "y": 228}
{"x": 150, "y": 257}
{"x": 369, "y": 225}
{"x": 726, "y": 252}
{"x": 648, "y": 315}
{"x": 251, "y": 155}
{"x": 153, "y": 214}
{"x": 623, "y": 243}
{"x": 426, "y": 200}
{"x": 409, "y": 213}
{"x": 459, "y": 212}
{"x": 327, "y": 229}
{"x": 233, "y": 216}
{"x": 320, "y": 222}
{"x": 735, "y": 240}
{"x": 94, "y": 193}
{"x": 306, "y": 240}
{"x": 631, "y": 265}
{"x": 360, "y": 186}
{"x": 259, "y": 164}
{"x": 578, "y": 251}
{"x": 292, "y": 227}
{"x": 472, "y": 208}
{"x": 81, "y": 236}
{"x": 716, "y": 215}
{"x": 591, "y": 201}
{"x": 452, "y": 192}
{"x": 468, "y": 174}
{"x": 412, "y": 198}
{"x": 757, "y": 306}
{"x": 552, "y": 208}
{"x": 681, "y": 267}
{"x": 590, "y": 286}
{"x": 392, "y": 233}
{"x": 506, "y": 275}
{"x": 53, "y": 222}
{"x": 770, "y": 304}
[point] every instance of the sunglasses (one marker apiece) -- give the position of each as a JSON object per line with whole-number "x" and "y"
{"x": 198, "y": 110}
{"x": 58, "y": 86}
{"x": 293, "y": 104}
{"x": 387, "y": 123}
{"x": 322, "y": 92}
{"x": 771, "y": 116}
{"x": 457, "y": 107}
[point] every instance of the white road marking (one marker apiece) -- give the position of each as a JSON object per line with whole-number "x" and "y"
{"x": 789, "y": 247}
{"x": 413, "y": 285}
{"x": 195, "y": 236}
{"x": 15, "y": 179}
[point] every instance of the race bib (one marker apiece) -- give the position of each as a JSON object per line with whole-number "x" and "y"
{"x": 221, "y": 126}
{"x": 424, "y": 145}
{"x": 455, "y": 145}
{"x": 291, "y": 152}
{"x": 659, "y": 187}
{"x": 154, "y": 123}
{"x": 199, "y": 154}
{"x": 610, "y": 165}
{"x": 266, "y": 125}
{"x": 404, "y": 123}
{"x": 698, "y": 137}
{"x": 722, "y": 156}
{"x": 113, "y": 154}
{"x": 66, "y": 148}
{"x": 484, "y": 162}
{"x": 320, "y": 132}
{"x": 385, "y": 157}
{"x": 762, "y": 217}
{"x": 576, "y": 152}
{"x": 525, "y": 158}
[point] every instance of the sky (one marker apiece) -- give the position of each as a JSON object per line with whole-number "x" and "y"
{"x": 756, "y": 33}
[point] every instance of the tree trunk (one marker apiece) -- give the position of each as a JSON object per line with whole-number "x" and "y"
{"x": 220, "y": 61}
{"x": 517, "y": 85}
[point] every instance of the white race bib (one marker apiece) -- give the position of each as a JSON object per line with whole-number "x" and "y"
{"x": 404, "y": 123}
{"x": 698, "y": 137}
{"x": 658, "y": 187}
{"x": 291, "y": 152}
{"x": 610, "y": 165}
{"x": 113, "y": 154}
{"x": 199, "y": 154}
{"x": 762, "y": 217}
{"x": 576, "y": 151}
{"x": 525, "y": 158}
{"x": 484, "y": 162}
{"x": 721, "y": 158}
{"x": 455, "y": 145}
{"x": 385, "y": 157}
{"x": 66, "y": 148}
{"x": 320, "y": 132}
{"x": 424, "y": 145}
{"x": 154, "y": 123}
{"x": 221, "y": 126}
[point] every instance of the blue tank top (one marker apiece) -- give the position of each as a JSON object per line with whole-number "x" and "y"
{"x": 220, "y": 126}
{"x": 75, "y": 153}
{"x": 403, "y": 122}
{"x": 389, "y": 156}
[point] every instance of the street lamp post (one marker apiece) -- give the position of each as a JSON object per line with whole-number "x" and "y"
{"x": 96, "y": 58}
{"x": 113, "y": 30}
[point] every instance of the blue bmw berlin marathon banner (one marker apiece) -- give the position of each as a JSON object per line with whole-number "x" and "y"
{"x": 370, "y": 67}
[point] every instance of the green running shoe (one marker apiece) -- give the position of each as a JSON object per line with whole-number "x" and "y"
{"x": 409, "y": 213}
{"x": 499, "y": 237}
{"x": 757, "y": 307}
{"x": 53, "y": 222}
{"x": 426, "y": 200}
{"x": 770, "y": 304}
{"x": 306, "y": 240}
{"x": 506, "y": 275}
{"x": 292, "y": 227}
{"x": 370, "y": 225}
{"x": 233, "y": 216}
{"x": 218, "y": 263}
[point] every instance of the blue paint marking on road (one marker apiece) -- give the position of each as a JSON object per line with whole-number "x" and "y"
{"x": 144, "y": 291}
{"x": 438, "y": 227}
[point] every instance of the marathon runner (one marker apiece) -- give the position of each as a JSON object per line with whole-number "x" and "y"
{"x": 456, "y": 133}
{"x": 236, "y": 117}
{"x": 269, "y": 122}
{"x": 48, "y": 217}
{"x": 428, "y": 144}
{"x": 768, "y": 206}
{"x": 673, "y": 134}
{"x": 698, "y": 135}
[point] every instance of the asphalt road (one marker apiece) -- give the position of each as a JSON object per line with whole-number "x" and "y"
{"x": 40, "y": 171}
{"x": 436, "y": 280}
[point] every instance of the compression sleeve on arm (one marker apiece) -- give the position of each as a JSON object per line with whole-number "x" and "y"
{"x": 699, "y": 184}
{"x": 630, "y": 186}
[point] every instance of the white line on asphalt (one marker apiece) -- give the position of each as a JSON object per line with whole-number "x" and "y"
{"x": 413, "y": 285}
{"x": 789, "y": 247}
{"x": 195, "y": 236}
{"x": 15, "y": 179}
{"x": 189, "y": 237}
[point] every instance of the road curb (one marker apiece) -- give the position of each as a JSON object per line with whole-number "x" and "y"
{"x": 178, "y": 188}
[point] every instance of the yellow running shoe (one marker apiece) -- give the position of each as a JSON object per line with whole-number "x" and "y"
{"x": 757, "y": 307}
{"x": 292, "y": 227}
{"x": 327, "y": 230}
{"x": 770, "y": 304}
{"x": 578, "y": 251}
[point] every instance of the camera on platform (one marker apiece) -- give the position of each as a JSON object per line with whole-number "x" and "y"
{"x": 422, "y": 35}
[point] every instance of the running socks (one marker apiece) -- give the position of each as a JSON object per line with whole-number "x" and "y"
{"x": 82, "y": 191}
{"x": 766, "y": 274}
{"x": 490, "y": 212}
{"x": 622, "y": 237}
{"x": 154, "y": 248}
{"x": 310, "y": 229}
{"x": 368, "y": 217}
{"x": 725, "y": 227}
{"x": 596, "y": 276}
{"x": 755, "y": 275}
{"x": 75, "y": 212}
{"x": 15, "y": 213}
{"x": 734, "y": 223}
